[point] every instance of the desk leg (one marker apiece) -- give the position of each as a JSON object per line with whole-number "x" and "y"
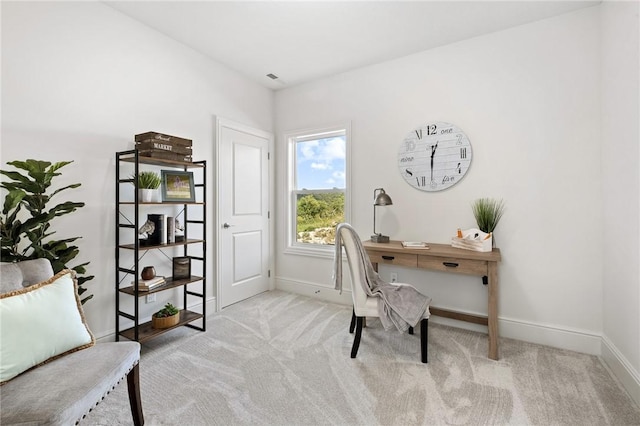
{"x": 493, "y": 310}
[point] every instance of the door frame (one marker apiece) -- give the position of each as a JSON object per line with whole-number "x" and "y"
{"x": 221, "y": 122}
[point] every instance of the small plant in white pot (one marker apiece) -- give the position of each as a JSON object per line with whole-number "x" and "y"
{"x": 488, "y": 212}
{"x": 148, "y": 183}
{"x": 166, "y": 317}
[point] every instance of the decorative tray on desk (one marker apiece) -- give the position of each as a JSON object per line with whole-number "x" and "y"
{"x": 473, "y": 239}
{"x": 415, "y": 244}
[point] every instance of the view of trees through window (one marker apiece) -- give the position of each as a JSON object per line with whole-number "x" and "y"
{"x": 319, "y": 186}
{"x": 318, "y": 215}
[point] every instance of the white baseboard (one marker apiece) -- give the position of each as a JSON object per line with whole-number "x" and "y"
{"x": 550, "y": 335}
{"x": 621, "y": 369}
{"x": 314, "y": 290}
{"x": 547, "y": 335}
{"x": 211, "y": 306}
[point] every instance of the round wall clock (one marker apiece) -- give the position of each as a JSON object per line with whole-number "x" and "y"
{"x": 434, "y": 156}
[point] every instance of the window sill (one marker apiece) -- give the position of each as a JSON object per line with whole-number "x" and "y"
{"x": 325, "y": 251}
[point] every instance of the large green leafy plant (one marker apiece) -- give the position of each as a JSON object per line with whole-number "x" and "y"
{"x": 25, "y": 223}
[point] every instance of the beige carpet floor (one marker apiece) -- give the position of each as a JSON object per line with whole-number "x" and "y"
{"x": 283, "y": 359}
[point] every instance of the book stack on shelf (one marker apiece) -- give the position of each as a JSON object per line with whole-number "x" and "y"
{"x": 165, "y": 147}
{"x": 146, "y": 285}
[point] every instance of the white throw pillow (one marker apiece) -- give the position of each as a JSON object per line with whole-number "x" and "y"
{"x": 40, "y": 323}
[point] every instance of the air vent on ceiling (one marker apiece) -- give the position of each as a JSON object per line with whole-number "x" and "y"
{"x": 272, "y": 76}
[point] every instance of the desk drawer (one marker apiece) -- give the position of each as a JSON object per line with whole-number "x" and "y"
{"x": 400, "y": 259}
{"x": 459, "y": 266}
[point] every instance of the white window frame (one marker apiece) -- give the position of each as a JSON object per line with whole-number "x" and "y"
{"x": 291, "y": 138}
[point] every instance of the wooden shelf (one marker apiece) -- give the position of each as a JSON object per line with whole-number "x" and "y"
{"x": 157, "y": 161}
{"x": 162, "y": 203}
{"x": 157, "y": 246}
{"x": 171, "y": 283}
{"x": 146, "y": 331}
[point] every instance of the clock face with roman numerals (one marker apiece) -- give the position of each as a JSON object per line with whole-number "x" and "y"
{"x": 435, "y": 156}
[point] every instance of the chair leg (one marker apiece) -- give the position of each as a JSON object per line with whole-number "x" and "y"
{"x": 353, "y": 321}
{"x": 424, "y": 338}
{"x": 356, "y": 340}
{"x": 133, "y": 385}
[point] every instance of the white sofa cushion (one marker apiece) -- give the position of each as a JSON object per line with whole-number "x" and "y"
{"x": 40, "y": 323}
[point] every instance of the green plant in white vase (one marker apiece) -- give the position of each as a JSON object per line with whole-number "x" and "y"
{"x": 148, "y": 183}
{"x": 487, "y": 212}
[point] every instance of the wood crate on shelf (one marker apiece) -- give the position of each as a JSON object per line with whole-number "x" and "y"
{"x": 163, "y": 146}
{"x": 152, "y": 145}
{"x": 161, "y": 137}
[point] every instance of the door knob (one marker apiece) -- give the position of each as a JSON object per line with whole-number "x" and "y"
{"x": 226, "y": 225}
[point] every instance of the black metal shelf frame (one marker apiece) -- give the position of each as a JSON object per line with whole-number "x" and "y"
{"x": 143, "y": 331}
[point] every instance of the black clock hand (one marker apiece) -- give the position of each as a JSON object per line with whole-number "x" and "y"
{"x": 433, "y": 153}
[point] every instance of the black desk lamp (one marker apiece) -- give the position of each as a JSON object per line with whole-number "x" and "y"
{"x": 379, "y": 199}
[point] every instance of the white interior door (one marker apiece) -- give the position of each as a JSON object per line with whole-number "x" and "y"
{"x": 243, "y": 212}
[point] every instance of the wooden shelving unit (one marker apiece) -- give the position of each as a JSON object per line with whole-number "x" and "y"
{"x": 127, "y": 277}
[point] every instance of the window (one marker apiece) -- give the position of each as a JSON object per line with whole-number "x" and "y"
{"x": 318, "y": 187}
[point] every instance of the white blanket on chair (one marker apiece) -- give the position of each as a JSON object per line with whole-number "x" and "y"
{"x": 401, "y": 306}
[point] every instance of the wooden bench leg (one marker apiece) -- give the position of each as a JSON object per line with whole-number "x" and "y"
{"x": 133, "y": 385}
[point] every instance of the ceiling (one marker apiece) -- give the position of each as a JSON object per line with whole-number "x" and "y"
{"x": 300, "y": 41}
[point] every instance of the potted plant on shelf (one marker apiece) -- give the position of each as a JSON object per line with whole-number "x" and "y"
{"x": 148, "y": 183}
{"x": 166, "y": 317}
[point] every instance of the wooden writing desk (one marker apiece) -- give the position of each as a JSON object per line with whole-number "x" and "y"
{"x": 443, "y": 257}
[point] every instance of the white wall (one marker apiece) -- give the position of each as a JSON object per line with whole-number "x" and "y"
{"x": 528, "y": 98}
{"x": 79, "y": 79}
{"x": 551, "y": 109}
{"x": 621, "y": 190}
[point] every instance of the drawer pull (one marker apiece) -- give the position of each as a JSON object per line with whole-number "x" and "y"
{"x": 450, "y": 264}
{"x": 388, "y": 257}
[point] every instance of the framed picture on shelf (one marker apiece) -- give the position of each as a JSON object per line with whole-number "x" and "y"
{"x": 181, "y": 267}
{"x": 178, "y": 186}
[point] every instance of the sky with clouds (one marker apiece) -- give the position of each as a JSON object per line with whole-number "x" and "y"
{"x": 320, "y": 163}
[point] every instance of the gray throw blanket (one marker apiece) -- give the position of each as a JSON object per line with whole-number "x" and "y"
{"x": 398, "y": 305}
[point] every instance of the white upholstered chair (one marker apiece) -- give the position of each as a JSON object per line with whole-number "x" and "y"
{"x": 364, "y": 305}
